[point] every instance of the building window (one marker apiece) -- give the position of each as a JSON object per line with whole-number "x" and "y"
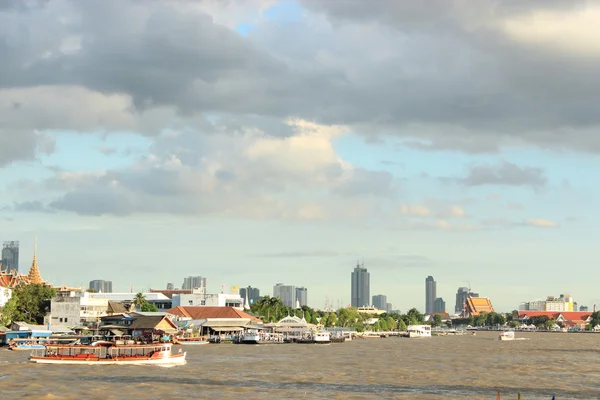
{"x": 66, "y": 320}
{"x": 191, "y": 302}
{"x": 61, "y": 320}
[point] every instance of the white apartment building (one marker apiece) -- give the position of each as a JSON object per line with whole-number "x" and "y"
{"x": 77, "y": 307}
{"x": 208, "y": 300}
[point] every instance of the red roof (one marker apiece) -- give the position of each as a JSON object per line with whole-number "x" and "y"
{"x": 568, "y": 315}
{"x": 202, "y": 312}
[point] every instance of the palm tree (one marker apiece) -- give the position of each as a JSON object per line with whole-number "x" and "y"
{"x": 139, "y": 300}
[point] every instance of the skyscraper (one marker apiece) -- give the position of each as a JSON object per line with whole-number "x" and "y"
{"x": 361, "y": 286}
{"x": 461, "y": 297}
{"x": 380, "y": 301}
{"x": 10, "y": 256}
{"x": 439, "y": 305}
{"x": 287, "y": 294}
{"x": 253, "y": 294}
{"x": 430, "y": 294}
{"x": 101, "y": 286}
{"x": 194, "y": 282}
{"x": 301, "y": 296}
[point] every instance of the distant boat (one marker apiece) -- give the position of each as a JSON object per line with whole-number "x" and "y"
{"x": 507, "y": 335}
{"x": 419, "y": 331}
{"x": 191, "y": 341}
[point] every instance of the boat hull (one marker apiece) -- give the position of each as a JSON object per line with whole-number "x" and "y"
{"x": 177, "y": 359}
{"x": 194, "y": 343}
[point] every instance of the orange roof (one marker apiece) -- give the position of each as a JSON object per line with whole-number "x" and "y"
{"x": 201, "y": 312}
{"x": 479, "y": 305}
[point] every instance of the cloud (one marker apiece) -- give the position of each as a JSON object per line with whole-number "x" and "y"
{"x": 435, "y": 210}
{"x": 540, "y": 223}
{"x": 235, "y": 173}
{"x": 505, "y": 173}
{"x": 468, "y": 77}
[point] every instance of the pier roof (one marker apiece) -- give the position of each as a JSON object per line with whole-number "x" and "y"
{"x": 203, "y": 312}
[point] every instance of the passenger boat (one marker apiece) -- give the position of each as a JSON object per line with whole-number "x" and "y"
{"x": 419, "y": 331}
{"x": 322, "y": 337}
{"x": 108, "y": 353}
{"x": 507, "y": 335}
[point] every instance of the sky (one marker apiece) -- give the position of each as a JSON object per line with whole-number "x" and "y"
{"x": 258, "y": 141}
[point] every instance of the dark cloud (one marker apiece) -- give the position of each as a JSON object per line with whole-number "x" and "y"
{"x": 505, "y": 173}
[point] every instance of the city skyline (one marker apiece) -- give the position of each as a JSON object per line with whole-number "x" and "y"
{"x": 260, "y": 141}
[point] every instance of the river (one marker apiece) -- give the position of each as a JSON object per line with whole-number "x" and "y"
{"x": 449, "y": 367}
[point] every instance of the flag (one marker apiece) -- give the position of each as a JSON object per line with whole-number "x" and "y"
{"x": 553, "y": 397}
{"x": 498, "y": 396}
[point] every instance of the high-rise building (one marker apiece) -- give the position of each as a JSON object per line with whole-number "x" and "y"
{"x": 194, "y": 282}
{"x": 301, "y": 297}
{"x": 253, "y": 294}
{"x": 439, "y": 305}
{"x": 461, "y": 297}
{"x": 379, "y": 301}
{"x": 388, "y": 307}
{"x": 287, "y": 294}
{"x": 10, "y": 256}
{"x": 430, "y": 294}
{"x": 101, "y": 286}
{"x": 361, "y": 287}
{"x": 170, "y": 286}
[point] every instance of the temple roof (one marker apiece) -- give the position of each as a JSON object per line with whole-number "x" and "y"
{"x": 34, "y": 272}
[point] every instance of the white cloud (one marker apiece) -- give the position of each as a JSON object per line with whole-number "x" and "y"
{"x": 541, "y": 223}
{"x": 571, "y": 31}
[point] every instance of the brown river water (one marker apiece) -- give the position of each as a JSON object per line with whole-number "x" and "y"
{"x": 449, "y": 367}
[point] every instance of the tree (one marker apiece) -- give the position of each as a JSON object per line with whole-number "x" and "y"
{"x": 594, "y": 320}
{"x": 29, "y": 303}
{"x": 401, "y": 325}
{"x": 415, "y": 316}
{"x": 148, "y": 307}
{"x": 139, "y": 300}
{"x": 437, "y": 320}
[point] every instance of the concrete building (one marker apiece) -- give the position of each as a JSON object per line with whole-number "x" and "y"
{"x": 360, "y": 287}
{"x": 301, "y": 297}
{"x": 10, "y": 256}
{"x": 430, "y": 294}
{"x": 194, "y": 282}
{"x": 461, "y": 297}
{"x": 287, "y": 294}
{"x": 439, "y": 305}
{"x": 199, "y": 299}
{"x": 76, "y": 307}
{"x": 551, "y": 304}
{"x": 170, "y": 286}
{"x": 101, "y": 286}
{"x": 161, "y": 301}
{"x": 379, "y": 301}
{"x": 388, "y": 307}
{"x": 253, "y": 294}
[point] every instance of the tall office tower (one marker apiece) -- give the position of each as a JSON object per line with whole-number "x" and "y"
{"x": 462, "y": 294}
{"x": 194, "y": 282}
{"x": 430, "y": 294}
{"x": 287, "y": 294}
{"x": 379, "y": 301}
{"x": 170, "y": 286}
{"x": 301, "y": 297}
{"x": 361, "y": 285}
{"x": 10, "y": 256}
{"x": 388, "y": 307}
{"x": 439, "y": 305}
{"x": 101, "y": 286}
{"x": 253, "y": 294}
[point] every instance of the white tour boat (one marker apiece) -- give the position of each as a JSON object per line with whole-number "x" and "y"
{"x": 419, "y": 331}
{"x": 108, "y": 353}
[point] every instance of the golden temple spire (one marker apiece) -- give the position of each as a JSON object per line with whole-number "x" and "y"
{"x": 34, "y": 272}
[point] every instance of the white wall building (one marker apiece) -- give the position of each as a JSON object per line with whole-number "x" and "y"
{"x": 76, "y": 308}
{"x": 208, "y": 300}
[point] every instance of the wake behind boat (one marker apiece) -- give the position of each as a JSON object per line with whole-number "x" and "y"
{"x": 108, "y": 353}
